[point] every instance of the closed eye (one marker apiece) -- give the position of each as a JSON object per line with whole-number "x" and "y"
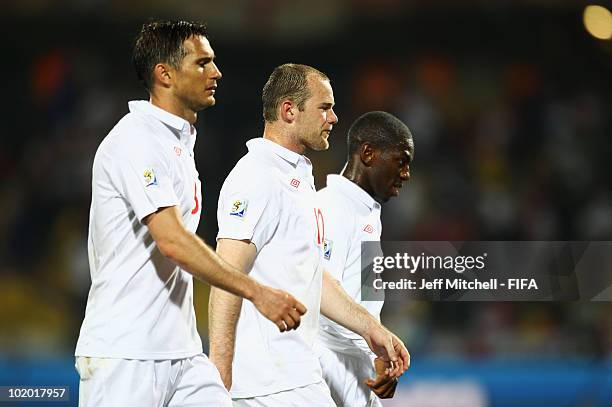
{"x": 204, "y": 61}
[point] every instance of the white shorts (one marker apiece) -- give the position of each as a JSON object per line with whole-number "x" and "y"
{"x": 313, "y": 395}
{"x": 345, "y": 375}
{"x": 110, "y": 382}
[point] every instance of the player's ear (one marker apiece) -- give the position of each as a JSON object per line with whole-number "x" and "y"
{"x": 287, "y": 111}
{"x": 368, "y": 154}
{"x": 162, "y": 75}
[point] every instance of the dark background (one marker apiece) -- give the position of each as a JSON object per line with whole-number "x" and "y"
{"x": 510, "y": 107}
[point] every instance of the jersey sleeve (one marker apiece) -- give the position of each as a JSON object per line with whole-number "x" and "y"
{"x": 248, "y": 208}
{"x": 144, "y": 179}
{"x": 338, "y": 235}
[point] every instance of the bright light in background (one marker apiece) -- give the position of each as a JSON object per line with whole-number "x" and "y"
{"x": 598, "y": 22}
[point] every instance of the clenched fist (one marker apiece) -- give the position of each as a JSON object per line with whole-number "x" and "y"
{"x": 279, "y": 307}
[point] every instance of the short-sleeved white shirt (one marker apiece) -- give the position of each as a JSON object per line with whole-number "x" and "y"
{"x": 352, "y": 216}
{"x": 269, "y": 199}
{"x": 140, "y": 304}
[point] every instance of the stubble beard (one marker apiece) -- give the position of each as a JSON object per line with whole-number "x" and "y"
{"x": 319, "y": 142}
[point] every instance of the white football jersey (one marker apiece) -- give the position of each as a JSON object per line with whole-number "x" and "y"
{"x": 140, "y": 304}
{"x": 352, "y": 216}
{"x": 269, "y": 199}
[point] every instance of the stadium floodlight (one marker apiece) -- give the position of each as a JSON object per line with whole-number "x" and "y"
{"x": 598, "y": 22}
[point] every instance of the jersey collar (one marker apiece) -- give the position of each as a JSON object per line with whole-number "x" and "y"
{"x": 265, "y": 145}
{"x": 187, "y": 131}
{"x": 352, "y": 190}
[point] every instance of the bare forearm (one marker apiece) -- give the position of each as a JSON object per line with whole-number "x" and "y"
{"x": 187, "y": 250}
{"x": 223, "y": 313}
{"x": 197, "y": 258}
{"x": 224, "y": 308}
{"x": 338, "y": 306}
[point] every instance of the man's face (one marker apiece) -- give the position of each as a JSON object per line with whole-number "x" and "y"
{"x": 390, "y": 171}
{"x": 195, "y": 82}
{"x": 315, "y": 122}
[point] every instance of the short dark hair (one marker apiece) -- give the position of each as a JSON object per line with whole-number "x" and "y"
{"x": 287, "y": 81}
{"x": 162, "y": 41}
{"x": 382, "y": 130}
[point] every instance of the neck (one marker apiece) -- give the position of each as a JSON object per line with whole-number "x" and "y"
{"x": 282, "y": 137}
{"x": 173, "y": 106}
{"x": 355, "y": 173}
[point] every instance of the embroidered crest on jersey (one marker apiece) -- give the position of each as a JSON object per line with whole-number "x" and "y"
{"x": 368, "y": 229}
{"x": 239, "y": 208}
{"x": 178, "y": 151}
{"x": 327, "y": 249}
{"x": 149, "y": 177}
{"x": 295, "y": 183}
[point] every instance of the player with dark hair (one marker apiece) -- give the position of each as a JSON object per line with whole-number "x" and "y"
{"x": 138, "y": 344}
{"x": 380, "y": 149}
{"x": 268, "y": 216}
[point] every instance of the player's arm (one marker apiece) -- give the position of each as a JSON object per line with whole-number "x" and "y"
{"x": 224, "y": 308}
{"x": 189, "y": 251}
{"x": 338, "y": 306}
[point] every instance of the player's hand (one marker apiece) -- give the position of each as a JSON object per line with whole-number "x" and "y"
{"x": 383, "y": 385}
{"x": 279, "y": 307}
{"x": 389, "y": 348}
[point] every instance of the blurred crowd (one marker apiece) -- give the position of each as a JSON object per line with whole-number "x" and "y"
{"x": 510, "y": 112}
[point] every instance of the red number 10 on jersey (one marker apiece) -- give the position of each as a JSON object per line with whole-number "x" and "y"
{"x": 320, "y": 226}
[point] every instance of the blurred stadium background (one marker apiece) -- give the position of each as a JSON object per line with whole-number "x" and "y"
{"x": 510, "y": 106}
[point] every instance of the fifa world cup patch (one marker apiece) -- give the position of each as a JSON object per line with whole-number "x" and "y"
{"x": 239, "y": 208}
{"x": 327, "y": 249}
{"x": 149, "y": 177}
